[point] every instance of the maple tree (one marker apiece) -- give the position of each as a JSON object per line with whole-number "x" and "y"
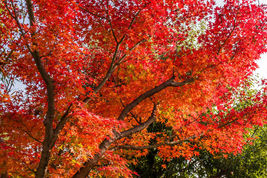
{"x": 97, "y": 73}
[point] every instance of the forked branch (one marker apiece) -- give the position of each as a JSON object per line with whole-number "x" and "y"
{"x": 105, "y": 145}
{"x": 149, "y": 93}
{"x": 140, "y": 127}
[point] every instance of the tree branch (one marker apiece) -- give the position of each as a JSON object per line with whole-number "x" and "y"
{"x": 60, "y": 125}
{"x": 132, "y": 48}
{"x": 131, "y": 24}
{"x": 134, "y": 116}
{"x": 30, "y": 135}
{"x": 229, "y": 35}
{"x": 101, "y": 17}
{"x": 30, "y": 12}
{"x": 15, "y": 17}
{"x": 110, "y": 24}
{"x": 133, "y": 147}
{"x": 168, "y": 83}
{"x": 140, "y": 127}
{"x": 111, "y": 69}
{"x": 90, "y": 163}
{"x": 48, "y": 122}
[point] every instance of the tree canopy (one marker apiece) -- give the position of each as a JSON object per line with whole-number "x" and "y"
{"x": 99, "y": 73}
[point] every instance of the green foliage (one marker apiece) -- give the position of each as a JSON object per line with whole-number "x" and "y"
{"x": 251, "y": 163}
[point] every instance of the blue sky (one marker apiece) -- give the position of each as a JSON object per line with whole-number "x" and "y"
{"x": 262, "y": 63}
{"x": 262, "y": 70}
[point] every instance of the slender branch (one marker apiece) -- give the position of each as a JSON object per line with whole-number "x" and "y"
{"x": 9, "y": 55}
{"x": 31, "y": 136}
{"x": 110, "y": 23}
{"x": 133, "y": 147}
{"x": 108, "y": 74}
{"x": 227, "y": 123}
{"x": 60, "y": 125}
{"x": 110, "y": 70}
{"x": 131, "y": 24}
{"x": 15, "y": 17}
{"x": 168, "y": 83}
{"x": 114, "y": 64}
{"x": 90, "y": 163}
{"x": 99, "y": 16}
{"x": 229, "y": 35}
{"x": 131, "y": 49}
{"x": 26, "y": 130}
{"x": 112, "y": 67}
{"x": 255, "y": 131}
{"x": 140, "y": 127}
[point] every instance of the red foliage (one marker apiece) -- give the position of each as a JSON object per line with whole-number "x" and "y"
{"x": 97, "y": 73}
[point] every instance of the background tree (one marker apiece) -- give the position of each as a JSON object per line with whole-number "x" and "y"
{"x": 97, "y": 73}
{"x": 249, "y": 163}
